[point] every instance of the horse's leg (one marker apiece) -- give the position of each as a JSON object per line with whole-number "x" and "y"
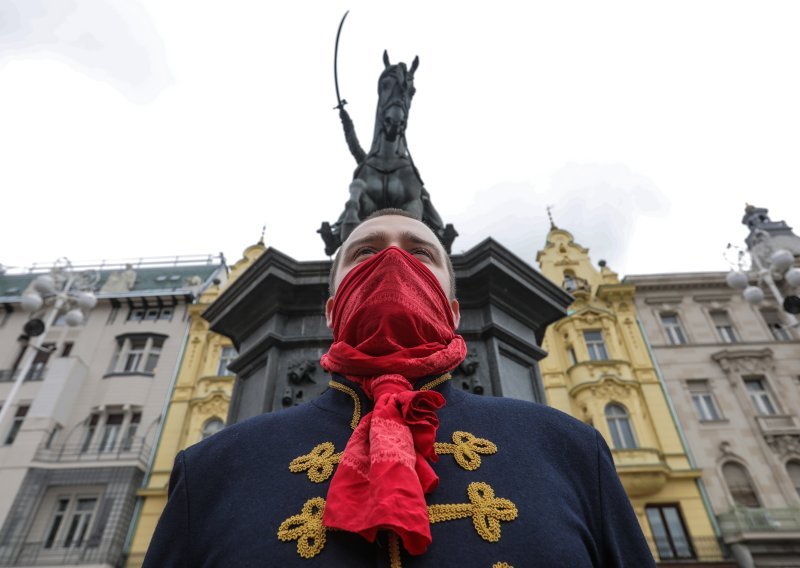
{"x": 351, "y": 209}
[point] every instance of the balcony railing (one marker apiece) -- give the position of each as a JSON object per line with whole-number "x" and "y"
{"x": 55, "y": 554}
{"x": 746, "y": 520}
{"x": 778, "y": 424}
{"x": 697, "y": 549}
{"x": 135, "y": 449}
{"x": 35, "y": 374}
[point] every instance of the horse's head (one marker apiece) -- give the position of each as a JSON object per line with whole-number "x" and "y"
{"x": 395, "y": 91}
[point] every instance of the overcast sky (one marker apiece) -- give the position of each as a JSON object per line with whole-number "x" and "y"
{"x": 155, "y": 128}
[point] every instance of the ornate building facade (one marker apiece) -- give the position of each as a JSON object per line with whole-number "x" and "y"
{"x": 733, "y": 372}
{"x": 600, "y": 370}
{"x": 198, "y": 406}
{"x": 84, "y": 421}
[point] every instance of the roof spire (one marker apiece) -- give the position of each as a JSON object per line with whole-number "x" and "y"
{"x": 550, "y": 216}
{"x": 263, "y": 230}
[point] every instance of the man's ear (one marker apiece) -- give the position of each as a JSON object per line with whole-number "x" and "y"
{"x": 329, "y": 313}
{"x": 456, "y": 309}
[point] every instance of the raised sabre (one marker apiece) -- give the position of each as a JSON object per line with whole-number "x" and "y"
{"x": 341, "y": 102}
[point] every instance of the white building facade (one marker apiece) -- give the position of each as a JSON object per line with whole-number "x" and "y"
{"x": 77, "y": 441}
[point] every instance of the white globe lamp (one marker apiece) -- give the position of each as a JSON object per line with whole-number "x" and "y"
{"x": 736, "y": 279}
{"x": 780, "y": 260}
{"x": 753, "y": 294}
{"x": 86, "y": 300}
{"x": 792, "y": 277}
{"x": 31, "y": 302}
{"x": 74, "y": 318}
{"x": 44, "y": 284}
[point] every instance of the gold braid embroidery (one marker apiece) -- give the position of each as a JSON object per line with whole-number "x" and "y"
{"x": 436, "y": 382}
{"x": 502, "y": 565}
{"x": 394, "y": 551}
{"x": 356, "y": 401}
{"x": 465, "y": 449}
{"x": 306, "y": 528}
{"x": 485, "y": 509}
{"x": 318, "y": 462}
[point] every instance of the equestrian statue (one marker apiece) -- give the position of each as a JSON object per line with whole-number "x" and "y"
{"x": 385, "y": 176}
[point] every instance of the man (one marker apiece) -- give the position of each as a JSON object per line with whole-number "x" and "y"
{"x": 391, "y": 466}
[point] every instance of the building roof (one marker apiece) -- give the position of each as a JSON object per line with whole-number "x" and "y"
{"x": 165, "y": 275}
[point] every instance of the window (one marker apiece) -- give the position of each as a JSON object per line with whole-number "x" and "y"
{"x": 673, "y": 329}
{"x": 66, "y": 348}
{"x": 669, "y": 532}
{"x": 793, "y": 469}
{"x": 52, "y": 436}
{"x": 55, "y": 523}
{"x": 136, "y": 349}
{"x": 773, "y": 320}
{"x": 724, "y": 327}
{"x": 88, "y": 433}
{"x": 137, "y": 353}
{"x": 212, "y": 427}
{"x": 620, "y": 426}
{"x": 741, "y": 488}
{"x": 79, "y": 523}
{"x": 225, "y": 359}
{"x": 573, "y": 360}
{"x": 133, "y": 426}
{"x": 760, "y": 396}
{"x": 40, "y": 359}
{"x": 703, "y": 400}
{"x": 151, "y": 313}
{"x": 595, "y": 345}
{"x": 19, "y": 418}
{"x": 111, "y": 431}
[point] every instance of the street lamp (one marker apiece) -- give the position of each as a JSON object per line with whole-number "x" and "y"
{"x": 779, "y": 268}
{"x": 63, "y": 291}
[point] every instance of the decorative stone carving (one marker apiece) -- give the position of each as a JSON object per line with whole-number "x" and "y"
{"x": 215, "y": 404}
{"x": 301, "y": 372}
{"x": 744, "y": 361}
{"x": 784, "y": 444}
{"x": 470, "y": 363}
{"x": 120, "y": 280}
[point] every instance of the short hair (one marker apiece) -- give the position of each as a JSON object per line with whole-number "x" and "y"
{"x": 399, "y": 213}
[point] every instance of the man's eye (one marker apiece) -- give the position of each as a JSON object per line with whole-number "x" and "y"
{"x": 422, "y": 251}
{"x": 364, "y": 251}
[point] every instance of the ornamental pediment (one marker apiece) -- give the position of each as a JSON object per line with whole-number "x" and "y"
{"x": 745, "y": 361}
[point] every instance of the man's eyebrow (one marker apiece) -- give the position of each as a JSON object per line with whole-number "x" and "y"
{"x": 416, "y": 239}
{"x": 372, "y": 238}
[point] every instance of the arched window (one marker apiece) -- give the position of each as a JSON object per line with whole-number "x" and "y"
{"x": 619, "y": 424}
{"x": 212, "y": 427}
{"x": 738, "y": 481}
{"x": 793, "y": 467}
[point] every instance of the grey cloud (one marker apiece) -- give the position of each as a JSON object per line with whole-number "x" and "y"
{"x": 110, "y": 40}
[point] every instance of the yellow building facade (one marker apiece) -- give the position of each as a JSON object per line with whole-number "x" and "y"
{"x": 600, "y": 370}
{"x": 198, "y": 406}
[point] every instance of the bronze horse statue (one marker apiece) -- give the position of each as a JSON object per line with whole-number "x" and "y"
{"x": 386, "y": 176}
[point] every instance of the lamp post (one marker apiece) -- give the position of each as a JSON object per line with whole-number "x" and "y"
{"x": 780, "y": 267}
{"x": 62, "y": 291}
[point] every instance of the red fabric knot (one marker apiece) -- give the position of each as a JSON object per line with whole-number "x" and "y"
{"x": 392, "y": 324}
{"x": 393, "y": 442}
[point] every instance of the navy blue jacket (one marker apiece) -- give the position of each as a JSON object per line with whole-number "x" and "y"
{"x": 233, "y": 500}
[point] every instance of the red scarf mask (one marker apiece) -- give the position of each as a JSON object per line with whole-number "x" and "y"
{"x": 392, "y": 325}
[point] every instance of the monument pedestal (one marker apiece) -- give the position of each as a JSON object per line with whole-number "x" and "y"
{"x": 274, "y": 314}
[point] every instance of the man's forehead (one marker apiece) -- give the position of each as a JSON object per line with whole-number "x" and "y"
{"x": 391, "y": 225}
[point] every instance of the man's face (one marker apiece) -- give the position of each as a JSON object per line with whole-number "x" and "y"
{"x": 413, "y": 236}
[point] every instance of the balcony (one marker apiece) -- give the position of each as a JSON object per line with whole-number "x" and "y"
{"x": 54, "y": 554}
{"x": 742, "y": 521}
{"x": 642, "y": 471}
{"x": 669, "y": 551}
{"x": 778, "y": 424}
{"x": 129, "y": 450}
{"x": 34, "y": 374}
